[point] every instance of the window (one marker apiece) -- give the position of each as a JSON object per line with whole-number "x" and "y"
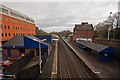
{"x": 2, "y": 34}
{"x": 13, "y": 34}
{"x": 5, "y": 34}
{"x": 1, "y": 26}
{"x": 7, "y": 19}
{"x": 0, "y": 17}
{"x": 8, "y": 27}
{"x": 9, "y": 34}
{"x": 15, "y": 21}
{"x": 22, "y": 50}
{"x": 4, "y": 18}
{"x": 21, "y": 33}
{"x": 18, "y": 22}
{"x": 16, "y": 34}
{"x": 16, "y": 28}
{"x": 81, "y": 36}
{"x": 13, "y": 27}
{"x": 5, "y": 26}
{"x": 12, "y": 20}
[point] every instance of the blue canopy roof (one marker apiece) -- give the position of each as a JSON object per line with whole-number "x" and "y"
{"x": 97, "y": 47}
{"x": 24, "y": 42}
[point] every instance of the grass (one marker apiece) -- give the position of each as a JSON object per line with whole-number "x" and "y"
{"x": 102, "y": 38}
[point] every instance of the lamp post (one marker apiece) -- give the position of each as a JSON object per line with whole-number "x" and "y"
{"x": 40, "y": 57}
{"x": 109, "y": 27}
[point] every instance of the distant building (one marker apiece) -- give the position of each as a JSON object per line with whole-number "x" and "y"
{"x": 83, "y": 31}
{"x": 13, "y": 23}
{"x": 71, "y": 37}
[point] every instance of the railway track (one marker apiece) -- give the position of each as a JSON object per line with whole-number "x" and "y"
{"x": 70, "y": 66}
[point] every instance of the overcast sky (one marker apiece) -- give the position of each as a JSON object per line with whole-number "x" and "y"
{"x": 58, "y": 16}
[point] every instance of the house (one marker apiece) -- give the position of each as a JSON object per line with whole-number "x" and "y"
{"x": 83, "y": 31}
{"x": 18, "y": 46}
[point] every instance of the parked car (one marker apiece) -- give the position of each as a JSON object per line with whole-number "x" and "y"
{"x": 5, "y": 62}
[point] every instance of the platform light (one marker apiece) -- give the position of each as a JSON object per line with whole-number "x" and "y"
{"x": 106, "y": 54}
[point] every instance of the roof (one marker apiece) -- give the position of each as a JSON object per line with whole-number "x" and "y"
{"x": 97, "y": 47}
{"x": 47, "y": 37}
{"x": 84, "y": 27}
{"x": 15, "y": 41}
{"x": 55, "y": 37}
{"x": 25, "y": 42}
{"x": 9, "y": 9}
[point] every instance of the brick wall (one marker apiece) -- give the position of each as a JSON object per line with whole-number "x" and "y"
{"x": 114, "y": 44}
{"x": 84, "y": 34}
{"x": 15, "y": 53}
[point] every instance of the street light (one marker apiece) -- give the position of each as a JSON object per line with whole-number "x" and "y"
{"x": 40, "y": 57}
{"x": 109, "y": 25}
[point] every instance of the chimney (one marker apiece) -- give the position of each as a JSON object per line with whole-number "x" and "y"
{"x": 83, "y": 23}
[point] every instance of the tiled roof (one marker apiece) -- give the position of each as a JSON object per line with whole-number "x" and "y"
{"x": 15, "y": 41}
{"x": 19, "y": 41}
{"x": 95, "y": 46}
{"x": 83, "y": 27}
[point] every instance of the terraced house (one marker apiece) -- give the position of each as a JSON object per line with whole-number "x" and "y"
{"x": 13, "y": 23}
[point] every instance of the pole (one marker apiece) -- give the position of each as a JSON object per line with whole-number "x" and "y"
{"x": 40, "y": 57}
{"x": 108, "y": 33}
{"x": 48, "y": 50}
{"x": 87, "y": 35}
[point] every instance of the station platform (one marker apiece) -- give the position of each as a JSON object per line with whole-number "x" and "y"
{"x": 48, "y": 68}
{"x": 55, "y": 62}
{"x": 107, "y": 69}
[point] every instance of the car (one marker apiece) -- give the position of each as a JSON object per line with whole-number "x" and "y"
{"x": 5, "y": 62}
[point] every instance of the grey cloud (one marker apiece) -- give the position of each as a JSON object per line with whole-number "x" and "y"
{"x": 53, "y": 15}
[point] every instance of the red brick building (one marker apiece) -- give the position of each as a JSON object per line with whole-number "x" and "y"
{"x": 18, "y": 46}
{"x": 83, "y": 31}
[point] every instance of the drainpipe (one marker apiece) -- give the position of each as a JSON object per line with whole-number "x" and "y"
{"x": 87, "y": 35}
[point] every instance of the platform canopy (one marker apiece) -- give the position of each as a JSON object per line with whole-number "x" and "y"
{"x": 97, "y": 47}
{"x": 25, "y": 42}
